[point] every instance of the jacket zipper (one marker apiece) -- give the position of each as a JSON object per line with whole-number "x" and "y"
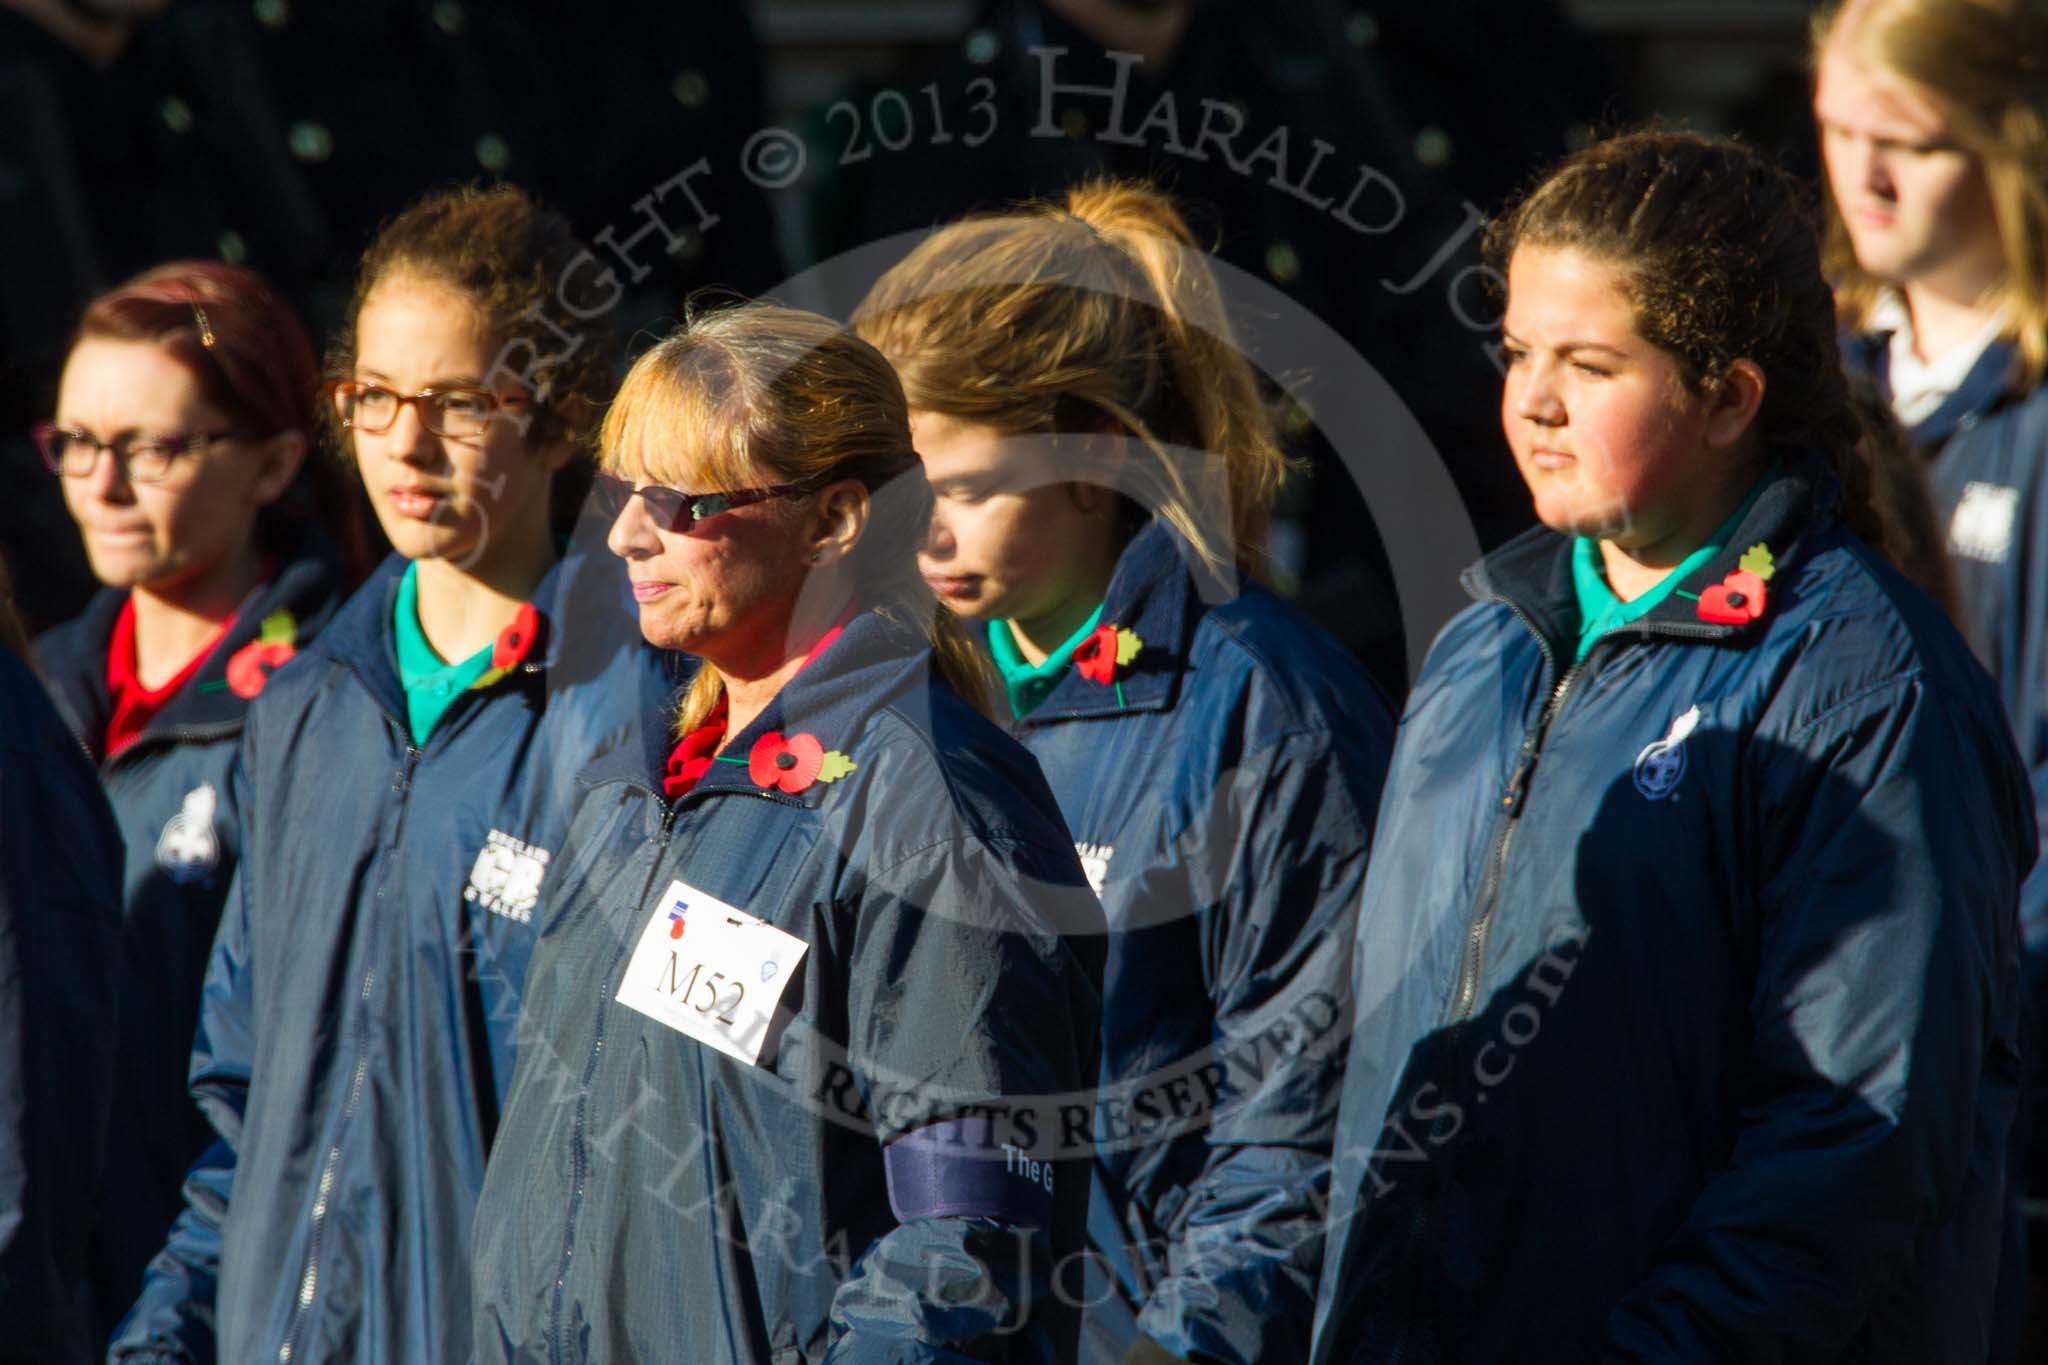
{"x": 1465, "y": 997}
{"x": 1465, "y": 987}
{"x": 1472, "y": 963}
{"x": 309, "y": 1279}
{"x": 578, "y": 1156}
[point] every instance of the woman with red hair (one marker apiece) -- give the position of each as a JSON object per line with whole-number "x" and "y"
{"x": 183, "y": 418}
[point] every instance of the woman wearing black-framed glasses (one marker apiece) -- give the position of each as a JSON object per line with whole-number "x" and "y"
{"x": 74, "y": 452}
{"x": 182, "y": 422}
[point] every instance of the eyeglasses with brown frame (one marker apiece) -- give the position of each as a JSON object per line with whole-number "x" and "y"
{"x": 452, "y": 411}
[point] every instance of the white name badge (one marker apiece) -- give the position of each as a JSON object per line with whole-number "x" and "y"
{"x": 711, "y": 970}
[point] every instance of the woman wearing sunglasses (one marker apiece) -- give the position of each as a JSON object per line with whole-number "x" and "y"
{"x": 401, "y": 790}
{"x": 183, "y": 417}
{"x": 811, "y": 981}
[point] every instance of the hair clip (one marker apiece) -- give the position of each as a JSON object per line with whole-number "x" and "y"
{"x": 206, "y": 337}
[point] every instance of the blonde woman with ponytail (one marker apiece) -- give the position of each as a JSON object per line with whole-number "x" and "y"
{"x": 819, "y": 956}
{"x": 1102, "y": 465}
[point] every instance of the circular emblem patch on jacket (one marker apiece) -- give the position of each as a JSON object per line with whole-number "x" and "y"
{"x": 188, "y": 849}
{"x": 1662, "y": 763}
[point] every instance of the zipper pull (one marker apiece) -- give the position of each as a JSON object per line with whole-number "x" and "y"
{"x": 1518, "y": 781}
{"x": 1518, "y": 788}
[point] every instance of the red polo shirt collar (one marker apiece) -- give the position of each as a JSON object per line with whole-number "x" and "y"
{"x": 135, "y": 706}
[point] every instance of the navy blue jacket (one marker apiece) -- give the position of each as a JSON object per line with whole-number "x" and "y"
{"x": 60, "y": 924}
{"x": 1987, "y": 451}
{"x": 888, "y": 1181}
{"x": 170, "y": 793}
{"x": 1221, "y": 790}
{"x": 1687, "y": 979}
{"x": 357, "y": 1025}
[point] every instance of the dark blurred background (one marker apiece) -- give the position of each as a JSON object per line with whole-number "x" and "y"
{"x": 280, "y": 132}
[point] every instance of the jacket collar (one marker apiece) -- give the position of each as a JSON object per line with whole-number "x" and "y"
{"x": 74, "y": 660}
{"x": 582, "y": 585}
{"x": 1153, "y": 595}
{"x": 877, "y": 658}
{"x": 1990, "y": 382}
{"x": 1532, "y": 574}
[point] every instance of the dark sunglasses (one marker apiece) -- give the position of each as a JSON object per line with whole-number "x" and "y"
{"x": 676, "y": 511}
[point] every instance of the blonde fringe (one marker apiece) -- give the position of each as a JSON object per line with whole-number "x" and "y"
{"x": 761, "y": 394}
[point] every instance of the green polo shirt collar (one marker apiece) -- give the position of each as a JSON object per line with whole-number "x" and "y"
{"x": 1030, "y": 684}
{"x": 1600, "y": 611}
{"x": 431, "y": 683}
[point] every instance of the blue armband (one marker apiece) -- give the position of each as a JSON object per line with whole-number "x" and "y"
{"x": 948, "y": 1170}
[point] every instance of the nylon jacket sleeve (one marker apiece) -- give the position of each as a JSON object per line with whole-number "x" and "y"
{"x": 974, "y": 989}
{"x": 60, "y": 861}
{"x": 1295, "y": 824}
{"x": 1892, "y": 834}
{"x": 172, "y": 1319}
{"x": 2034, "y": 956}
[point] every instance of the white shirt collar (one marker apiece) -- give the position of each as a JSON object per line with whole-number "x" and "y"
{"x": 1919, "y": 387}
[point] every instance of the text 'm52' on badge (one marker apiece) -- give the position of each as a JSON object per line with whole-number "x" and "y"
{"x": 710, "y": 970}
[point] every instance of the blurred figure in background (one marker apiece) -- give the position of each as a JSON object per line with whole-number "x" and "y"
{"x": 182, "y": 424}
{"x": 60, "y": 924}
{"x": 1933, "y": 120}
{"x": 280, "y": 134}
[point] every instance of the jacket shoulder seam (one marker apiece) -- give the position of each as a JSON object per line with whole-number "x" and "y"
{"x": 1266, "y": 673}
{"x": 1895, "y": 681}
{"x": 955, "y": 799}
{"x": 990, "y": 841}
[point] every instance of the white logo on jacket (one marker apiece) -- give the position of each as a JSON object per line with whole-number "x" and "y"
{"x": 1095, "y": 864}
{"x": 1661, "y": 764}
{"x": 1982, "y": 525}
{"x": 188, "y": 849}
{"x": 507, "y": 875}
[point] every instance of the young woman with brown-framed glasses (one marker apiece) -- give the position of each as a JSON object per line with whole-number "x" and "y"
{"x": 406, "y": 788}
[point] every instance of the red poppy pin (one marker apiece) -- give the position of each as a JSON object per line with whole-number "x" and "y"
{"x": 1106, "y": 650}
{"x": 793, "y": 764}
{"x": 1740, "y": 597}
{"x": 251, "y": 666}
{"x": 516, "y": 639}
{"x": 512, "y": 646}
